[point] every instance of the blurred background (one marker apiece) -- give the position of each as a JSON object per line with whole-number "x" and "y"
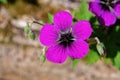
{"x": 19, "y": 55}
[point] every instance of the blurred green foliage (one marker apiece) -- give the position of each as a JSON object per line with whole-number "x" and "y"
{"x": 117, "y": 60}
{"x": 74, "y": 62}
{"x": 3, "y": 1}
{"x": 50, "y": 17}
{"x": 110, "y": 36}
{"x": 84, "y": 13}
{"x": 92, "y": 57}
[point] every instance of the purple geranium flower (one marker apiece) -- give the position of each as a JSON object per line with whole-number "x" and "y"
{"x": 106, "y": 10}
{"x": 63, "y": 39}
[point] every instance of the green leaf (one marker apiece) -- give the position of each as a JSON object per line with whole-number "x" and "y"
{"x": 74, "y": 62}
{"x": 117, "y": 60}
{"x": 32, "y": 36}
{"x": 117, "y": 28}
{"x": 108, "y": 60}
{"x": 92, "y": 57}
{"x": 3, "y": 1}
{"x": 50, "y": 16}
{"x": 84, "y": 13}
{"x": 73, "y": 13}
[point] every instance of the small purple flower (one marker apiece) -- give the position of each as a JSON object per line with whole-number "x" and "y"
{"x": 106, "y": 10}
{"x": 63, "y": 39}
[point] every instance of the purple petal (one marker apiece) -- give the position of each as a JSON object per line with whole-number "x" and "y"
{"x": 56, "y": 54}
{"x": 107, "y": 18}
{"x": 48, "y": 35}
{"x": 82, "y": 29}
{"x": 117, "y": 10}
{"x": 95, "y": 8}
{"x": 96, "y": 1}
{"x": 78, "y": 49}
{"x": 63, "y": 20}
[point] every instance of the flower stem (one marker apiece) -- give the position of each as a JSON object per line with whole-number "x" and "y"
{"x": 44, "y": 50}
{"x": 93, "y": 41}
{"x": 35, "y": 21}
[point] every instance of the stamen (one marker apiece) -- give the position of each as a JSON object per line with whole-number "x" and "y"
{"x": 107, "y": 4}
{"x": 66, "y": 39}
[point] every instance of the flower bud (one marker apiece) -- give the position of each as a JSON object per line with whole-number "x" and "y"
{"x": 31, "y": 36}
{"x": 27, "y": 30}
{"x": 101, "y": 49}
{"x": 42, "y": 57}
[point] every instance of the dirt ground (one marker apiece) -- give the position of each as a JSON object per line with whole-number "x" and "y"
{"x": 21, "y": 63}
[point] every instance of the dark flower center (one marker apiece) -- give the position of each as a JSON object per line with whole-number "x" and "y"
{"x": 66, "y": 39}
{"x": 107, "y": 4}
